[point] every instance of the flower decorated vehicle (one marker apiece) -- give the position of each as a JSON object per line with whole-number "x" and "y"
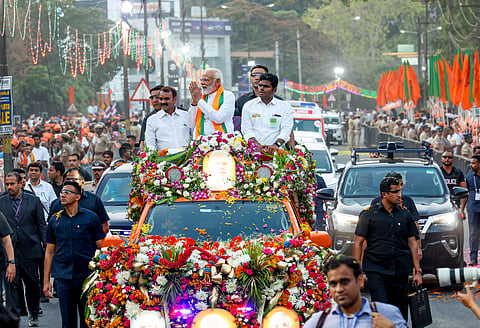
{"x": 222, "y": 240}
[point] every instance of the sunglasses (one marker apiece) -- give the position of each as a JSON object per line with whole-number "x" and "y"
{"x": 257, "y": 74}
{"x": 447, "y": 157}
{"x": 394, "y": 191}
{"x": 68, "y": 192}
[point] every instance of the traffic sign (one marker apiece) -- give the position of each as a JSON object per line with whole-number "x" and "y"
{"x": 142, "y": 92}
{"x": 331, "y": 98}
{"x": 6, "y": 105}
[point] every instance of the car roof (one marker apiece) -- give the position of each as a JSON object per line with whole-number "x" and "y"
{"x": 389, "y": 162}
{"x": 123, "y": 168}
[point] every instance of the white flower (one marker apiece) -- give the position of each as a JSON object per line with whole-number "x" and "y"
{"x": 161, "y": 280}
{"x": 237, "y": 145}
{"x": 168, "y": 194}
{"x": 156, "y": 183}
{"x": 186, "y": 185}
{"x": 269, "y": 194}
{"x": 142, "y": 258}
{"x": 259, "y": 181}
{"x": 132, "y": 310}
{"x": 225, "y": 148}
{"x": 203, "y": 185}
{"x": 161, "y": 166}
{"x": 299, "y": 304}
{"x": 156, "y": 290}
{"x": 186, "y": 169}
{"x": 122, "y": 277}
{"x": 164, "y": 181}
{"x": 277, "y": 285}
{"x": 187, "y": 179}
{"x": 269, "y": 293}
{"x": 213, "y": 142}
{"x": 249, "y": 193}
{"x": 204, "y": 147}
{"x": 231, "y": 285}
{"x": 186, "y": 194}
{"x": 200, "y": 306}
{"x": 201, "y": 295}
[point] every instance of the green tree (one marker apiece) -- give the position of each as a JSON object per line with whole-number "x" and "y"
{"x": 45, "y": 83}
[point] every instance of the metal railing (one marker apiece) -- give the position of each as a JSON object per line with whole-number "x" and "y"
{"x": 372, "y": 137}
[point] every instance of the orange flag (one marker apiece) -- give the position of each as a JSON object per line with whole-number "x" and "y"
{"x": 441, "y": 77}
{"x": 401, "y": 83}
{"x": 413, "y": 84}
{"x": 457, "y": 83}
{"x": 476, "y": 80}
{"x": 465, "y": 89}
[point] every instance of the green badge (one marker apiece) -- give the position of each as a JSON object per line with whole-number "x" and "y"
{"x": 273, "y": 122}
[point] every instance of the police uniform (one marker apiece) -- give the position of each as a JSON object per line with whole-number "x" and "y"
{"x": 89, "y": 201}
{"x": 71, "y": 258}
{"x": 453, "y": 178}
{"x": 388, "y": 259}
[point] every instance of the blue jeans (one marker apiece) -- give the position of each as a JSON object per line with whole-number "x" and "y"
{"x": 474, "y": 234}
{"x": 69, "y": 292}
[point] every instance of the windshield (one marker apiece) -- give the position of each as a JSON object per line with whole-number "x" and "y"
{"x": 217, "y": 219}
{"x": 307, "y": 125}
{"x": 115, "y": 188}
{"x": 322, "y": 160}
{"x": 418, "y": 181}
{"x": 331, "y": 120}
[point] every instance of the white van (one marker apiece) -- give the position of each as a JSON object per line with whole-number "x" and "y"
{"x": 307, "y": 117}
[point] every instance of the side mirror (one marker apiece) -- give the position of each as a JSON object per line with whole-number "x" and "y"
{"x": 340, "y": 168}
{"x": 334, "y": 152}
{"x": 320, "y": 238}
{"x": 459, "y": 193}
{"x": 326, "y": 194}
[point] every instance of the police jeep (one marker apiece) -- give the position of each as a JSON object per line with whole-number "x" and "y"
{"x": 441, "y": 227}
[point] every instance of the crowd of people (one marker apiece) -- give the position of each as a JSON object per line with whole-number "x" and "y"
{"x": 442, "y": 137}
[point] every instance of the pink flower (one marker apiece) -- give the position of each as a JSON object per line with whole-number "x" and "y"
{"x": 267, "y": 251}
{"x": 99, "y": 285}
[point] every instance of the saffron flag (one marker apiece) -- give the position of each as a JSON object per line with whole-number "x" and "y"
{"x": 476, "y": 80}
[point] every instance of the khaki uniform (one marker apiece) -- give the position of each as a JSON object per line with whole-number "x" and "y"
{"x": 412, "y": 134}
{"x": 351, "y": 128}
{"x": 424, "y": 136}
{"x": 135, "y": 130}
{"x": 437, "y": 143}
{"x": 66, "y": 150}
{"x": 467, "y": 150}
{"x": 398, "y": 130}
{"x": 76, "y": 147}
{"x": 90, "y": 186}
{"x": 100, "y": 144}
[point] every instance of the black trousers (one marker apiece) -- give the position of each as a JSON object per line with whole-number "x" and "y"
{"x": 26, "y": 272}
{"x": 389, "y": 289}
{"x": 69, "y": 292}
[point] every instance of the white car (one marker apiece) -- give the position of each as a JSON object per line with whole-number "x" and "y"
{"x": 333, "y": 127}
{"x": 326, "y": 166}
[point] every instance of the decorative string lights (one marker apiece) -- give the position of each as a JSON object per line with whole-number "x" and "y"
{"x": 78, "y": 51}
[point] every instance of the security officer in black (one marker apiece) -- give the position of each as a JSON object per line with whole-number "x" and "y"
{"x": 391, "y": 234}
{"x": 67, "y": 258}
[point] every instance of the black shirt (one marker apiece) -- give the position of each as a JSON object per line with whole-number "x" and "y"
{"x": 387, "y": 234}
{"x": 75, "y": 239}
{"x": 407, "y": 202}
{"x": 56, "y": 188}
{"x": 453, "y": 178}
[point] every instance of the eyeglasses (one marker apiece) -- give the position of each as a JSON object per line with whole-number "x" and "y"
{"x": 152, "y": 97}
{"x": 68, "y": 192}
{"x": 257, "y": 74}
{"x": 447, "y": 157}
{"x": 395, "y": 191}
{"x": 73, "y": 179}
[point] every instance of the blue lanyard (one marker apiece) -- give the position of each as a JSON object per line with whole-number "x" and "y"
{"x": 355, "y": 317}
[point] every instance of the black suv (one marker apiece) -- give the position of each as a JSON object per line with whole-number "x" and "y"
{"x": 114, "y": 191}
{"x": 441, "y": 226}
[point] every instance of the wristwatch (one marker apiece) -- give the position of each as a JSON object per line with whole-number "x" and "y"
{"x": 11, "y": 261}
{"x": 278, "y": 143}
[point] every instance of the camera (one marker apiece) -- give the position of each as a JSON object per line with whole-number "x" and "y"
{"x": 449, "y": 276}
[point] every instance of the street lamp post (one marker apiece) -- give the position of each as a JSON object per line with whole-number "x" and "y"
{"x": 338, "y": 71}
{"x": 185, "y": 51}
{"x": 126, "y": 11}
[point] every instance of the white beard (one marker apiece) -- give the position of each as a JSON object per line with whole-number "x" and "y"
{"x": 208, "y": 90}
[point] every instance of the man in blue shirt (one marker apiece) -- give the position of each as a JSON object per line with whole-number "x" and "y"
{"x": 88, "y": 200}
{"x": 345, "y": 280}
{"x": 473, "y": 208}
{"x": 67, "y": 258}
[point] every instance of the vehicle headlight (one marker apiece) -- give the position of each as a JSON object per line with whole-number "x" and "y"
{"x": 444, "y": 219}
{"x": 346, "y": 219}
{"x": 214, "y": 318}
{"x": 281, "y": 317}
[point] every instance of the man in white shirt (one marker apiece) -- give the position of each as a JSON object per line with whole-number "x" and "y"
{"x": 41, "y": 189}
{"x": 455, "y": 140}
{"x": 40, "y": 153}
{"x": 212, "y": 111}
{"x": 267, "y": 120}
{"x": 168, "y": 127}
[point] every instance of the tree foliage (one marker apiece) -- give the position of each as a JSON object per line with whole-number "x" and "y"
{"x": 44, "y": 83}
